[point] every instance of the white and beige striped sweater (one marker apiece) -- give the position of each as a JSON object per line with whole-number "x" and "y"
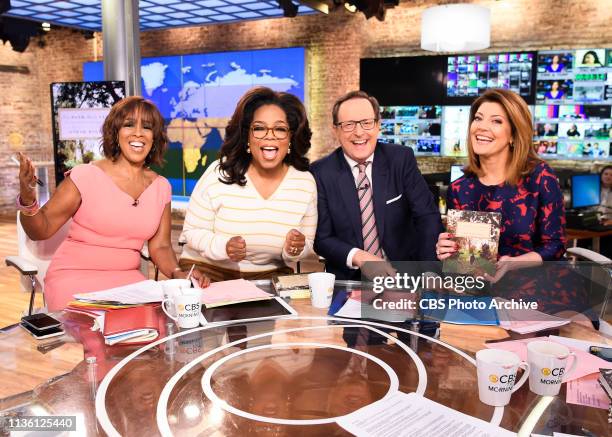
{"x": 218, "y": 211}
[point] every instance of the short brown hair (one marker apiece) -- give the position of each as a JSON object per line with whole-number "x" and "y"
{"x": 355, "y": 95}
{"x": 114, "y": 121}
{"x": 523, "y": 157}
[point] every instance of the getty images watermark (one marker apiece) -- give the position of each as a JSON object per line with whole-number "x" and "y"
{"x": 404, "y": 282}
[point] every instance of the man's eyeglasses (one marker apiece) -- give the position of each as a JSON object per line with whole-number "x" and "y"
{"x": 260, "y": 131}
{"x": 349, "y": 126}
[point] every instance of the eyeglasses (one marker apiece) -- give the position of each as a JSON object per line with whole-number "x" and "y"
{"x": 349, "y": 126}
{"x": 260, "y": 131}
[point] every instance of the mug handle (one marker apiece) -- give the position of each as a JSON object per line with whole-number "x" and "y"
{"x": 573, "y": 366}
{"x": 525, "y": 366}
{"x": 163, "y": 305}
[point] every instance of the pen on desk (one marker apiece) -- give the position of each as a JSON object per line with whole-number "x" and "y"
{"x": 190, "y": 272}
{"x": 38, "y": 181}
{"x": 588, "y": 433}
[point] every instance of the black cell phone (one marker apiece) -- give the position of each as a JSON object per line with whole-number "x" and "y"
{"x": 39, "y": 335}
{"x": 605, "y": 353}
{"x": 41, "y": 322}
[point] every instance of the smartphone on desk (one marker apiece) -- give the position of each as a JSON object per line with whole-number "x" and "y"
{"x": 605, "y": 353}
{"x": 41, "y": 322}
{"x": 39, "y": 335}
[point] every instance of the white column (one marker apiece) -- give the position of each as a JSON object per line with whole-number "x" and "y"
{"x": 121, "y": 38}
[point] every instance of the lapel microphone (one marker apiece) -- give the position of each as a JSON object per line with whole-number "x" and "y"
{"x": 364, "y": 187}
{"x": 135, "y": 202}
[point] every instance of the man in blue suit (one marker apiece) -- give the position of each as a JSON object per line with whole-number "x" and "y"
{"x": 373, "y": 202}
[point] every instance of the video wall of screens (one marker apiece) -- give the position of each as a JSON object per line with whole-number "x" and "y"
{"x": 569, "y": 93}
{"x": 573, "y": 111}
{"x": 470, "y": 76}
{"x": 417, "y": 127}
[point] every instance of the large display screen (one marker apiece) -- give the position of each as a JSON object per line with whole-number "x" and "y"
{"x": 197, "y": 94}
{"x": 78, "y": 111}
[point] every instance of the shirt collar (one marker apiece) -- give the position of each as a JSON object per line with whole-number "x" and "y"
{"x": 352, "y": 163}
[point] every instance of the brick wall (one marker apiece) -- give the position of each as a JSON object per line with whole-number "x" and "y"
{"x": 334, "y": 44}
{"x": 25, "y": 102}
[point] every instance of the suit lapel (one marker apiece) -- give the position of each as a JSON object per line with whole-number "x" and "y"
{"x": 380, "y": 182}
{"x": 348, "y": 191}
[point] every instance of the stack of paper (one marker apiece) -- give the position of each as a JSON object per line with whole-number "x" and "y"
{"x": 526, "y": 321}
{"x": 148, "y": 291}
{"x": 411, "y": 415}
{"x": 126, "y": 307}
{"x": 232, "y": 292}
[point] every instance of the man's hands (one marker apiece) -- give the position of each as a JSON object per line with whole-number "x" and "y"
{"x": 371, "y": 265}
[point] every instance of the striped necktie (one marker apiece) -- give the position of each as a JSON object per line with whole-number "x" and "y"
{"x": 366, "y": 205}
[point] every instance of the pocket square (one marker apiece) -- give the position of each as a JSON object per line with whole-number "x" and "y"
{"x": 394, "y": 199}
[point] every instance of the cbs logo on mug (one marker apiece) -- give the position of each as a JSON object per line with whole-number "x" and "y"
{"x": 503, "y": 379}
{"x": 188, "y": 307}
{"x": 557, "y": 371}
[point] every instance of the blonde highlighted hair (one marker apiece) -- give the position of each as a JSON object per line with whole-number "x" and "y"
{"x": 523, "y": 156}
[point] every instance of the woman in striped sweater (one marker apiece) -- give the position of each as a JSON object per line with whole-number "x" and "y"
{"x": 255, "y": 209}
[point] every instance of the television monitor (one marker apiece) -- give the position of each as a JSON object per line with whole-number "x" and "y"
{"x": 574, "y": 112}
{"x": 590, "y": 58}
{"x": 585, "y": 190}
{"x": 78, "y": 110}
{"x": 456, "y": 171}
{"x": 555, "y": 63}
{"x": 413, "y": 80}
{"x": 455, "y": 130}
{"x": 554, "y": 90}
{"x": 597, "y": 111}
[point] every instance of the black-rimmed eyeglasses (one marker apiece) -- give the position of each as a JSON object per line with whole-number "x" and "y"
{"x": 260, "y": 131}
{"x": 349, "y": 126}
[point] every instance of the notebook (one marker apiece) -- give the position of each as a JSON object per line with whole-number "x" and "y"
{"x": 135, "y": 325}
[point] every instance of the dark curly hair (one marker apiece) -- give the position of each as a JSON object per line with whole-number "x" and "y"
{"x": 234, "y": 159}
{"x": 148, "y": 112}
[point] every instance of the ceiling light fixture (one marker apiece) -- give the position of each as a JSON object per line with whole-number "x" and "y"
{"x": 456, "y": 28}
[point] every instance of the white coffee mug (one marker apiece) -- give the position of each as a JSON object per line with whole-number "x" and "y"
{"x": 187, "y": 306}
{"x": 496, "y": 369}
{"x": 549, "y": 363}
{"x": 171, "y": 287}
{"x": 321, "y": 288}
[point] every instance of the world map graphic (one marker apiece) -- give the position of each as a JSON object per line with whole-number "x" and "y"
{"x": 197, "y": 95}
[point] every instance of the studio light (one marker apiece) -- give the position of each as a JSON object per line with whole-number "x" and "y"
{"x": 5, "y": 5}
{"x": 370, "y": 8}
{"x": 289, "y": 8}
{"x": 18, "y": 32}
{"x": 456, "y": 28}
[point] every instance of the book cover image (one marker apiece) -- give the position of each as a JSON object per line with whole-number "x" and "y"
{"x": 477, "y": 234}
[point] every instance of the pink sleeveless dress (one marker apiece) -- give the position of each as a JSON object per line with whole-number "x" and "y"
{"x": 107, "y": 232}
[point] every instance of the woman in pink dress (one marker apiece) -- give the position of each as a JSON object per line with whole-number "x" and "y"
{"x": 116, "y": 204}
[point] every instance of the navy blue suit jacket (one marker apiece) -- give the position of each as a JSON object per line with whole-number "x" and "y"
{"x": 407, "y": 217}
